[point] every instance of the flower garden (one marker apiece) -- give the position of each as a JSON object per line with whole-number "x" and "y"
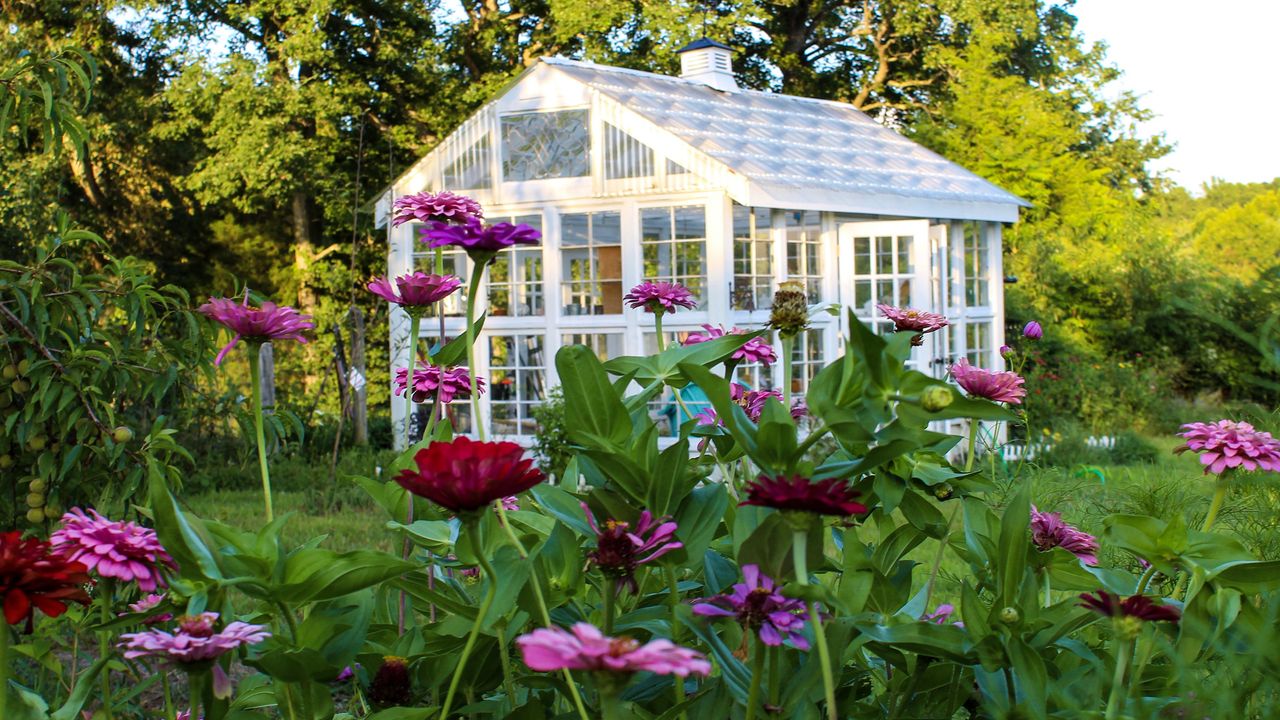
{"x": 780, "y": 559}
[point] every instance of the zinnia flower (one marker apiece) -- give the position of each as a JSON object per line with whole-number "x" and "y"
{"x": 658, "y": 297}
{"x": 1226, "y": 445}
{"x": 193, "y": 644}
{"x": 465, "y": 475}
{"x": 415, "y": 292}
{"x": 479, "y": 240}
{"x": 264, "y": 324}
{"x": 942, "y": 614}
{"x": 832, "y": 496}
{"x": 1141, "y": 607}
{"x": 586, "y": 648}
{"x": 1048, "y": 531}
{"x": 790, "y": 312}
{"x": 147, "y": 604}
{"x": 755, "y": 350}
{"x": 913, "y": 321}
{"x": 429, "y": 380}
{"x": 1033, "y": 331}
{"x": 391, "y": 686}
{"x": 443, "y": 207}
{"x": 989, "y": 384}
{"x": 33, "y": 576}
{"x": 759, "y": 607}
{"x": 122, "y": 550}
{"x": 620, "y": 549}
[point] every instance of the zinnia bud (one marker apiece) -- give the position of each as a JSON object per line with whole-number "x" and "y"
{"x": 1033, "y": 331}
{"x": 1010, "y": 615}
{"x": 1006, "y": 351}
{"x": 936, "y": 398}
{"x": 790, "y": 314}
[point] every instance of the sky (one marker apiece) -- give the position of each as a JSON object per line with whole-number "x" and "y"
{"x": 1208, "y": 69}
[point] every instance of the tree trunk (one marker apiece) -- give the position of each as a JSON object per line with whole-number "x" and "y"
{"x": 304, "y": 249}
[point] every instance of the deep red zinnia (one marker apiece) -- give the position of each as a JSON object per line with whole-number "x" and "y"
{"x": 1141, "y": 607}
{"x": 35, "y": 577}
{"x": 466, "y": 475}
{"x": 832, "y": 496}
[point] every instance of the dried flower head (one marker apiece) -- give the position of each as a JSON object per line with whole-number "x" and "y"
{"x": 790, "y": 312}
{"x": 586, "y": 648}
{"x": 265, "y": 324}
{"x": 1226, "y": 445}
{"x": 391, "y": 686}
{"x": 996, "y": 386}
{"x": 442, "y": 207}
{"x": 122, "y": 550}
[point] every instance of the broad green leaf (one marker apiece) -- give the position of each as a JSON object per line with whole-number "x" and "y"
{"x": 319, "y": 574}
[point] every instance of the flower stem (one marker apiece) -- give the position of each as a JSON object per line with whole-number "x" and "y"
{"x": 973, "y": 445}
{"x": 657, "y": 330}
{"x": 473, "y": 532}
{"x": 611, "y": 705}
{"x": 1048, "y": 591}
{"x": 255, "y": 379}
{"x": 610, "y": 597}
{"x": 787, "y": 343}
{"x": 799, "y": 549}
{"x": 775, "y": 674}
{"x": 1219, "y": 495}
{"x": 476, "y": 274}
{"x": 168, "y": 695}
{"x": 1146, "y": 579}
{"x": 757, "y": 675}
{"x": 104, "y": 642}
{"x": 937, "y": 558}
{"x": 1117, "y": 680}
{"x": 414, "y": 324}
{"x": 194, "y": 690}
{"x": 673, "y": 585}
{"x": 5, "y": 670}
{"x": 505, "y": 660}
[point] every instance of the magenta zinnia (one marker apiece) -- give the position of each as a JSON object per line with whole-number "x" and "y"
{"x": 442, "y": 207}
{"x": 760, "y": 607}
{"x": 481, "y": 240}
{"x": 122, "y": 550}
{"x": 586, "y": 648}
{"x": 997, "y": 386}
{"x": 415, "y": 292}
{"x": 267, "y": 323}
{"x": 1226, "y": 445}
{"x": 466, "y": 475}
{"x": 1048, "y": 531}
{"x": 621, "y": 548}
{"x": 755, "y": 350}
{"x": 913, "y": 321}
{"x": 33, "y": 576}
{"x": 1141, "y": 607}
{"x": 431, "y": 380}
{"x": 658, "y": 297}
{"x": 832, "y": 496}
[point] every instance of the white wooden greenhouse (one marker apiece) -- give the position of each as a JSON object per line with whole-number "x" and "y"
{"x": 633, "y": 176}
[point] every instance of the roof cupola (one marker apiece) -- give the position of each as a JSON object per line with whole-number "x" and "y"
{"x": 706, "y": 61}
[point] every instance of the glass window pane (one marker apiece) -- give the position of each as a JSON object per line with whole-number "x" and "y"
{"x": 542, "y": 145}
{"x": 624, "y": 156}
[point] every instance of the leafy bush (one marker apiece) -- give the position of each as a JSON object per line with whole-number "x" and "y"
{"x": 551, "y": 440}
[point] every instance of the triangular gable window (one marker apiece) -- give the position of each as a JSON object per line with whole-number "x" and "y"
{"x": 625, "y": 156}
{"x": 675, "y": 168}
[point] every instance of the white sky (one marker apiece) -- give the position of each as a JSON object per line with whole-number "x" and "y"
{"x": 1209, "y": 69}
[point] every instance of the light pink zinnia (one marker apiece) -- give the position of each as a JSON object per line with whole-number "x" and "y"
{"x": 194, "y": 641}
{"x": 264, "y": 324}
{"x": 445, "y": 207}
{"x": 586, "y": 648}
{"x": 989, "y": 384}
{"x": 1226, "y": 445}
{"x": 415, "y": 292}
{"x": 429, "y": 380}
{"x": 120, "y": 550}
{"x": 148, "y": 603}
{"x": 1048, "y": 531}
{"x": 659, "y": 297}
{"x": 755, "y": 350}
{"x": 913, "y": 321}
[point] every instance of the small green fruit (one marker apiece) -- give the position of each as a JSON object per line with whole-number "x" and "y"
{"x": 39, "y": 485}
{"x": 122, "y": 434}
{"x": 23, "y": 367}
{"x": 35, "y": 515}
{"x": 6, "y": 461}
{"x": 37, "y": 443}
{"x": 1010, "y": 615}
{"x": 35, "y": 500}
{"x": 944, "y": 491}
{"x": 9, "y": 372}
{"x": 20, "y": 386}
{"x": 936, "y": 398}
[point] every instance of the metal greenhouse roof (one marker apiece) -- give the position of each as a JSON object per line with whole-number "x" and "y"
{"x": 791, "y": 146}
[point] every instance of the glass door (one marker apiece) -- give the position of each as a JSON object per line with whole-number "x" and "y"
{"x": 891, "y": 263}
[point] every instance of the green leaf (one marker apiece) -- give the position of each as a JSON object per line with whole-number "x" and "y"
{"x": 85, "y": 683}
{"x": 318, "y": 574}
{"x": 593, "y": 408}
{"x": 564, "y": 507}
{"x": 454, "y": 352}
{"x": 1015, "y": 541}
{"x": 699, "y": 518}
{"x": 184, "y": 540}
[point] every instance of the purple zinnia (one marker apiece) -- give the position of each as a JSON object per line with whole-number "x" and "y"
{"x": 264, "y": 324}
{"x": 415, "y": 292}
{"x": 1226, "y": 445}
{"x": 429, "y": 380}
{"x": 1049, "y": 531}
{"x": 193, "y": 643}
{"x": 658, "y": 297}
{"x": 481, "y": 240}
{"x": 759, "y": 607}
{"x": 442, "y": 207}
{"x": 147, "y": 604}
{"x": 120, "y": 550}
{"x": 941, "y": 615}
{"x": 620, "y": 548}
{"x": 755, "y": 350}
{"x": 1033, "y": 331}
{"x": 991, "y": 385}
{"x": 832, "y": 496}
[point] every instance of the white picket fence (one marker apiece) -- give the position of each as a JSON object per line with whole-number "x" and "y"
{"x": 1012, "y": 452}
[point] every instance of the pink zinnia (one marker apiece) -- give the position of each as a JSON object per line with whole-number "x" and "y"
{"x": 989, "y": 384}
{"x": 941, "y": 615}
{"x": 479, "y": 239}
{"x": 759, "y": 606}
{"x": 429, "y": 380}
{"x": 1048, "y": 531}
{"x": 755, "y": 350}
{"x": 120, "y": 550}
{"x": 264, "y": 324}
{"x": 1226, "y": 445}
{"x": 415, "y": 292}
{"x": 620, "y": 548}
{"x": 443, "y": 207}
{"x": 913, "y": 321}
{"x": 194, "y": 642}
{"x": 147, "y": 604}
{"x": 657, "y": 297}
{"x": 586, "y": 648}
